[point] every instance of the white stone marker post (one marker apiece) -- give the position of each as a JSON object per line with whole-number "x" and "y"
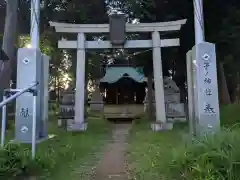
{"x": 206, "y": 105}
{"x": 190, "y": 72}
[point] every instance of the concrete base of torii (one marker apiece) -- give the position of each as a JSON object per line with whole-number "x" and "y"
{"x": 156, "y": 127}
{"x": 72, "y": 126}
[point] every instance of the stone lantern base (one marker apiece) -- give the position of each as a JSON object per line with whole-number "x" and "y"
{"x": 96, "y": 103}
{"x": 96, "y": 106}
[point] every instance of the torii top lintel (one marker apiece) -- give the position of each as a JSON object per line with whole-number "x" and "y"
{"x": 104, "y": 28}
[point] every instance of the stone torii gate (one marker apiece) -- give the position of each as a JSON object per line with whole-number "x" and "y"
{"x": 156, "y": 43}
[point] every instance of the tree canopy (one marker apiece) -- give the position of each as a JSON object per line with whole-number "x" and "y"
{"x": 221, "y": 27}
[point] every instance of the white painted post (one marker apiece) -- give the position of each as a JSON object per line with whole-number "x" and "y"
{"x": 190, "y": 93}
{"x": 158, "y": 79}
{"x": 80, "y": 83}
{"x": 199, "y": 21}
{"x": 206, "y": 105}
{"x": 4, "y": 121}
{"x": 35, "y": 23}
{"x": 34, "y": 125}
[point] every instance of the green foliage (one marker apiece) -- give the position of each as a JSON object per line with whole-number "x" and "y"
{"x": 15, "y": 162}
{"x": 53, "y": 107}
{"x": 68, "y": 152}
{"x": 221, "y": 27}
{"x": 168, "y": 156}
{"x": 23, "y": 41}
{"x": 57, "y": 157}
{"x": 211, "y": 158}
{"x": 174, "y": 156}
{"x": 230, "y": 115}
{"x": 148, "y": 150}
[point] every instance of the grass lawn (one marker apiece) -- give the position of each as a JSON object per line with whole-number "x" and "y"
{"x": 148, "y": 150}
{"x": 74, "y": 154}
{"x": 71, "y": 155}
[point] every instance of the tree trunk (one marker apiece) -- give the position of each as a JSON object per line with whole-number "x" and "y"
{"x": 237, "y": 89}
{"x": 8, "y": 46}
{"x": 224, "y": 93}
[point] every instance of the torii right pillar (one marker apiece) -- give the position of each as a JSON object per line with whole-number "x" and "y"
{"x": 161, "y": 120}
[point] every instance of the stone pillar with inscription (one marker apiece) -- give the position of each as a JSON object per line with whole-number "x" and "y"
{"x": 205, "y": 92}
{"x": 190, "y": 71}
{"x": 31, "y": 66}
{"x": 45, "y": 99}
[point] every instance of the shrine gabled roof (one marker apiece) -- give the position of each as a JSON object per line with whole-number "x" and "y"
{"x": 113, "y": 74}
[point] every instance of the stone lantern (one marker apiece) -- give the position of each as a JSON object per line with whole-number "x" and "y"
{"x": 96, "y": 103}
{"x": 67, "y": 111}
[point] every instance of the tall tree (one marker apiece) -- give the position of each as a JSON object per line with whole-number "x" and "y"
{"x": 9, "y": 43}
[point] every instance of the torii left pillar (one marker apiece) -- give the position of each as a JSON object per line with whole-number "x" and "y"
{"x": 161, "y": 120}
{"x": 79, "y": 123}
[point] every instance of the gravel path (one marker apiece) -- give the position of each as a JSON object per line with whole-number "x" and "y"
{"x": 112, "y": 166}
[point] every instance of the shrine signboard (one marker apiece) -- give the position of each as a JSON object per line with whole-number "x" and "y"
{"x": 31, "y": 61}
{"x": 117, "y": 25}
{"x": 206, "y": 105}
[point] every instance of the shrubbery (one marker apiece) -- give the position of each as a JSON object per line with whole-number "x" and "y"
{"x": 15, "y": 162}
{"x": 215, "y": 157}
{"x": 54, "y": 154}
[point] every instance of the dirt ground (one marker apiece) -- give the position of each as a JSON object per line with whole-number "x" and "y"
{"x": 112, "y": 166}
